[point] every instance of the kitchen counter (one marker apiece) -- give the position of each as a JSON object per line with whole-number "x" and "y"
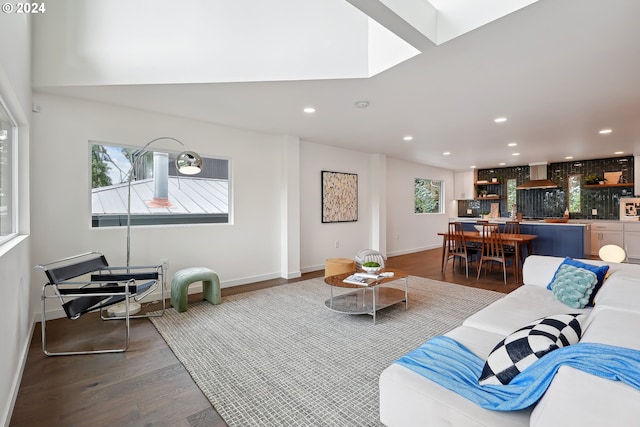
{"x": 572, "y": 239}
{"x": 572, "y": 222}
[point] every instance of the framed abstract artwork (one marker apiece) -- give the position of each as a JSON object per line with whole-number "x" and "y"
{"x": 339, "y": 197}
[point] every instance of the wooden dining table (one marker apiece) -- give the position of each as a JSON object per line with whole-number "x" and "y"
{"x": 516, "y": 240}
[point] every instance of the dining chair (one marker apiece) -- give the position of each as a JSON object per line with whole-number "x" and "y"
{"x": 457, "y": 247}
{"x": 511, "y": 227}
{"x": 493, "y": 250}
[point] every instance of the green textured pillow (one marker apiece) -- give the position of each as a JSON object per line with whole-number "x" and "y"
{"x": 573, "y": 285}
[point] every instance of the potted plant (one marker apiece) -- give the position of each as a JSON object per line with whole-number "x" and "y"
{"x": 592, "y": 179}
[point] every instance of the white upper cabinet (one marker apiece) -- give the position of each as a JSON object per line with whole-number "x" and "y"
{"x": 463, "y": 185}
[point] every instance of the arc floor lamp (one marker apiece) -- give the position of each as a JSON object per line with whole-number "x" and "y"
{"x": 188, "y": 163}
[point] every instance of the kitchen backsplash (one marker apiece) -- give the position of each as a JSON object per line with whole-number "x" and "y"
{"x": 553, "y": 202}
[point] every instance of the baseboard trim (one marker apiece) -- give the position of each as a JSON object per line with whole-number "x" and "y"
{"x": 413, "y": 250}
{"x": 17, "y": 379}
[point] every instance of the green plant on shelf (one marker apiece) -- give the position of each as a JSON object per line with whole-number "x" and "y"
{"x": 592, "y": 179}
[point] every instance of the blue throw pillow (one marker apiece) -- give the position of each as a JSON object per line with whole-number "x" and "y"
{"x": 573, "y": 272}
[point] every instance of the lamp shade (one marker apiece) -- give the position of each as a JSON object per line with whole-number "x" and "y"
{"x": 612, "y": 253}
{"x": 189, "y": 163}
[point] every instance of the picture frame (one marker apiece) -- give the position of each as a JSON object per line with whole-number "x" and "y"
{"x": 339, "y": 196}
{"x": 630, "y": 209}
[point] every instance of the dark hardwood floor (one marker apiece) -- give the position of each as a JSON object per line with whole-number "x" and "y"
{"x": 147, "y": 385}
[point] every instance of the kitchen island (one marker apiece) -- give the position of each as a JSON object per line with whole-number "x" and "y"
{"x": 571, "y": 239}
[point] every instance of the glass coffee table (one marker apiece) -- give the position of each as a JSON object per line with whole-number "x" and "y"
{"x": 367, "y": 299}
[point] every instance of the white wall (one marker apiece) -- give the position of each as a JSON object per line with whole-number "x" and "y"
{"x": 406, "y": 231}
{"x": 15, "y": 267}
{"x": 245, "y": 251}
{"x": 317, "y": 239}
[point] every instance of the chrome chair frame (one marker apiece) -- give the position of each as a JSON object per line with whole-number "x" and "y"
{"x": 106, "y": 286}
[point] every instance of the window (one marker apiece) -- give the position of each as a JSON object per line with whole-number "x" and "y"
{"x": 574, "y": 193}
{"x": 428, "y": 196}
{"x": 511, "y": 194}
{"x": 8, "y": 181}
{"x": 159, "y": 195}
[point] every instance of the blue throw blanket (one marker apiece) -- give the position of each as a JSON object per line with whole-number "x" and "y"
{"x": 450, "y": 364}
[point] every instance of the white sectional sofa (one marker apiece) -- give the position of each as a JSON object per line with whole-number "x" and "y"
{"x": 574, "y": 398}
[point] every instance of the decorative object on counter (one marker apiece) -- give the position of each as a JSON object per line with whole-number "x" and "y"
{"x": 514, "y": 211}
{"x": 495, "y": 210}
{"x": 630, "y": 209}
{"x": 556, "y": 220}
{"x": 484, "y": 215}
{"x": 566, "y": 213}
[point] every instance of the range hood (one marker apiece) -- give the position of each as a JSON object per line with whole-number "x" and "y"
{"x": 538, "y": 175}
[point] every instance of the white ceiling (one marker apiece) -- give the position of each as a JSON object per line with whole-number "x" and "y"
{"x": 559, "y": 70}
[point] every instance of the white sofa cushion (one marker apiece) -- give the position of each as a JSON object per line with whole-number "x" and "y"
{"x": 576, "y": 398}
{"x": 409, "y": 399}
{"x": 621, "y": 290}
{"x": 569, "y": 400}
{"x": 519, "y": 308}
{"x": 613, "y": 326}
{"x": 539, "y": 270}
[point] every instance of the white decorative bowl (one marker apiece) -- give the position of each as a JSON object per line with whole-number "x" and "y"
{"x": 372, "y": 270}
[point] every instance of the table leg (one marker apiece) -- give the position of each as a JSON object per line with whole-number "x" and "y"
{"x": 331, "y": 298}
{"x": 517, "y": 263}
{"x": 374, "y": 304}
{"x": 444, "y": 250}
{"x": 406, "y": 293}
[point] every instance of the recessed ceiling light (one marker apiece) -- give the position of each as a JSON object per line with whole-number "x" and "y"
{"x": 362, "y": 104}
{"x": 309, "y": 110}
{"x": 619, "y": 152}
{"x": 408, "y": 138}
{"x": 512, "y": 144}
{"x": 515, "y": 154}
{"x": 568, "y": 157}
{"x": 604, "y": 131}
{"x": 472, "y": 167}
{"x": 500, "y": 119}
{"x": 446, "y": 153}
{"x": 501, "y": 163}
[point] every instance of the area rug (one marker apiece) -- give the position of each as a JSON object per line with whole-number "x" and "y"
{"x": 280, "y": 357}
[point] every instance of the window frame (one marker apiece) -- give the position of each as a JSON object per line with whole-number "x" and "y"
{"x": 441, "y": 194}
{"x": 13, "y": 207}
{"x": 119, "y": 219}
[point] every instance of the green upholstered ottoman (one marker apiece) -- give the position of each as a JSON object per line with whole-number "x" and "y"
{"x": 183, "y": 278}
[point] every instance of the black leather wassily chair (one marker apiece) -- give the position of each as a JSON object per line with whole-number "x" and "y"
{"x": 85, "y": 283}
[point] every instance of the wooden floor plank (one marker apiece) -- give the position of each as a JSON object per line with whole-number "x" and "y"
{"x": 147, "y": 385}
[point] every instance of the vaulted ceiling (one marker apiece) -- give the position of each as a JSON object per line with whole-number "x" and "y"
{"x": 559, "y": 71}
